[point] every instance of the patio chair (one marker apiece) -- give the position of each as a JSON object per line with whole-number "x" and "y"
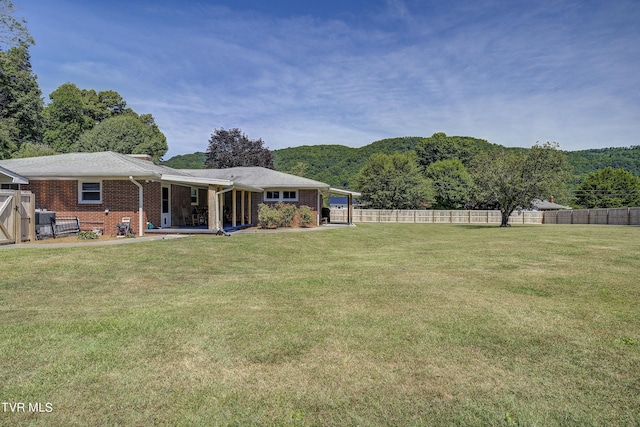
{"x": 193, "y": 217}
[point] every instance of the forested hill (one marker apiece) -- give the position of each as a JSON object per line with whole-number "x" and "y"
{"x": 338, "y": 165}
{"x": 586, "y": 161}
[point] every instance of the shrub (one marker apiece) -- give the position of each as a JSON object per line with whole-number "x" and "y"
{"x": 87, "y": 235}
{"x": 268, "y": 217}
{"x": 287, "y": 214}
{"x": 284, "y": 215}
{"x": 306, "y": 216}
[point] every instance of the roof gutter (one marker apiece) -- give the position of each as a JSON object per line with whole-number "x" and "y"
{"x": 140, "y": 204}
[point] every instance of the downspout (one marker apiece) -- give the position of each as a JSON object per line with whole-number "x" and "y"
{"x": 140, "y": 204}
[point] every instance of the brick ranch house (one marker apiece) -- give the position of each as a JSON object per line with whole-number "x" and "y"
{"x": 103, "y": 188}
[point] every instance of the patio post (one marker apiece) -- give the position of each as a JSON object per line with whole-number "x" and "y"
{"x": 234, "y": 210}
{"x": 212, "y": 204}
{"x": 242, "y": 207}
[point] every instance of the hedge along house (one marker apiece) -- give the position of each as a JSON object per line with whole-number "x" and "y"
{"x": 103, "y": 188}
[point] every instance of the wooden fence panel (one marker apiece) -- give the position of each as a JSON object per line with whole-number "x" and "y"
{"x": 435, "y": 216}
{"x": 7, "y": 217}
{"x": 598, "y": 216}
{"x": 424, "y": 217}
{"x": 634, "y": 216}
{"x": 441, "y": 217}
{"x": 564, "y": 217}
{"x": 580, "y": 216}
{"x": 532, "y": 217}
{"x": 17, "y": 222}
{"x": 407, "y": 216}
{"x": 550, "y": 217}
{"x": 460, "y": 217}
{"x": 619, "y": 216}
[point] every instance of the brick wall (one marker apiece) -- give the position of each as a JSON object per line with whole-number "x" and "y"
{"x": 119, "y": 197}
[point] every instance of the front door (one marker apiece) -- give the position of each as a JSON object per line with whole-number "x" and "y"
{"x": 166, "y": 206}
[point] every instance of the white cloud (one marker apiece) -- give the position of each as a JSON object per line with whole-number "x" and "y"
{"x": 511, "y": 73}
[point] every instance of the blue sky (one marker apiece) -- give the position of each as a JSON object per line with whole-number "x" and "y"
{"x": 352, "y": 72}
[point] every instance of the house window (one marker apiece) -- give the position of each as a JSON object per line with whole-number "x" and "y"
{"x": 272, "y": 196}
{"x": 281, "y": 196}
{"x": 90, "y": 192}
{"x": 194, "y": 196}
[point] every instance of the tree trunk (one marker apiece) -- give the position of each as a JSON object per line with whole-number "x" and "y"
{"x": 505, "y": 218}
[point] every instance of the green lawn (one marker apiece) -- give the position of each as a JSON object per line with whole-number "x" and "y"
{"x": 375, "y": 325}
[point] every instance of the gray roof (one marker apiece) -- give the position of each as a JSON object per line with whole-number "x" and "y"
{"x": 108, "y": 164}
{"x": 258, "y": 177}
{"x": 7, "y": 176}
{"x": 102, "y": 164}
{"x": 545, "y": 205}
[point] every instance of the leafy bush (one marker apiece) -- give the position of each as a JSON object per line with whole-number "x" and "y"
{"x": 287, "y": 214}
{"x": 268, "y": 217}
{"x": 306, "y": 216}
{"x": 284, "y": 215}
{"x": 88, "y": 235}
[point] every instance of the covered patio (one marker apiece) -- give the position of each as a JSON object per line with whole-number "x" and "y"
{"x": 350, "y": 195}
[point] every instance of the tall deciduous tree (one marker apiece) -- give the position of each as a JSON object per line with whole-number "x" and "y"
{"x": 64, "y": 118}
{"x": 511, "y": 180}
{"x": 442, "y": 147}
{"x": 128, "y": 134}
{"x": 394, "y": 182}
{"x": 21, "y": 102}
{"x": 452, "y": 183}
{"x": 230, "y": 148}
{"x": 20, "y": 97}
{"x": 73, "y": 111}
{"x": 13, "y": 31}
{"x": 609, "y": 188}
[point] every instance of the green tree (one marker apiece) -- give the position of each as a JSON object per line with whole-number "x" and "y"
{"x": 20, "y": 97}
{"x": 452, "y": 183}
{"x": 13, "y": 31}
{"x": 511, "y": 180}
{"x": 73, "y": 111}
{"x": 29, "y": 149}
{"x": 394, "y": 182}
{"x": 65, "y": 119}
{"x": 126, "y": 134}
{"x": 442, "y": 147}
{"x": 21, "y": 102}
{"x": 609, "y": 188}
{"x": 229, "y": 148}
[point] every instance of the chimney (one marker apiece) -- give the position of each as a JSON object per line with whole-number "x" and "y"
{"x": 552, "y": 199}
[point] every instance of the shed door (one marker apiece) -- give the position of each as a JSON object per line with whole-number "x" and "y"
{"x": 166, "y": 206}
